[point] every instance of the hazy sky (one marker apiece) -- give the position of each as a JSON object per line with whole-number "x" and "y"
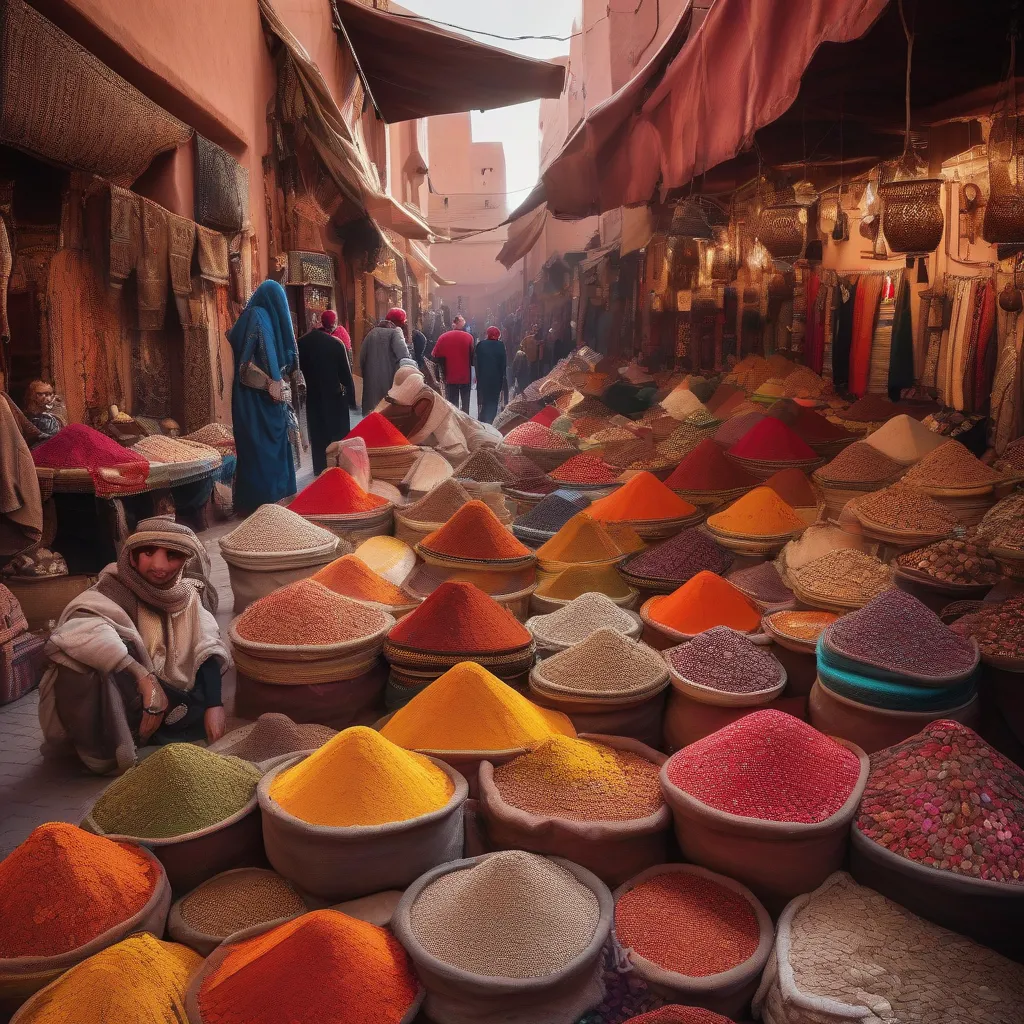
{"x": 516, "y": 126}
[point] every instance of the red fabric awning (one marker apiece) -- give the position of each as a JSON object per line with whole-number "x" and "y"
{"x": 413, "y": 68}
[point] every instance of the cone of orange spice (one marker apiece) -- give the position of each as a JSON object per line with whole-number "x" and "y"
{"x": 646, "y": 504}
{"x": 351, "y": 577}
{"x": 702, "y": 603}
{"x": 474, "y": 536}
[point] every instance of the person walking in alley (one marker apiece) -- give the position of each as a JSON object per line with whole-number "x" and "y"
{"x": 379, "y": 355}
{"x": 330, "y": 390}
{"x": 491, "y": 381}
{"x": 532, "y": 347}
{"x": 521, "y": 370}
{"x": 329, "y": 322}
{"x": 455, "y": 349}
{"x": 263, "y": 343}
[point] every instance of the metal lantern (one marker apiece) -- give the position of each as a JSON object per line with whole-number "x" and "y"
{"x": 912, "y": 215}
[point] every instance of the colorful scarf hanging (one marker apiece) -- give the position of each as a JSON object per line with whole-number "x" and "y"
{"x": 865, "y": 313}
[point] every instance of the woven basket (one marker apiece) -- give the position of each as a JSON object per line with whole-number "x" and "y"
{"x": 728, "y": 992}
{"x": 912, "y": 215}
{"x": 612, "y": 850}
{"x": 21, "y": 977}
{"x": 1003, "y": 222}
{"x": 782, "y": 230}
{"x": 44, "y": 598}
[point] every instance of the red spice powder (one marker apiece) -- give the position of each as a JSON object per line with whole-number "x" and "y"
{"x": 475, "y": 532}
{"x": 642, "y": 498}
{"x": 687, "y": 923}
{"x": 80, "y": 447}
{"x": 771, "y": 440}
{"x": 378, "y": 432}
{"x": 459, "y": 618}
{"x": 812, "y": 426}
{"x": 362, "y": 974}
{"x": 707, "y": 469}
{"x": 677, "y": 1014}
{"x": 770, "y": 766}
{"x": 585, "y": 469}
{"x": 724, "y": 393}
{"x": 334, "y": 492}
{"x": 546, "y": 416}
{"x": 793, "y": 487}
{"x": 535, "y": 435}
{"x": 703, "y": 602}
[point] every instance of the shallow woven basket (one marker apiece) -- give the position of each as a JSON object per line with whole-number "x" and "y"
{"x": 662, "y": 529}
{"x": 752, "y": 545}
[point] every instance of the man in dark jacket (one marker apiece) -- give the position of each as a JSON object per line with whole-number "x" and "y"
{"x": 491, "y": 381}
{"x": 330, "y": 391}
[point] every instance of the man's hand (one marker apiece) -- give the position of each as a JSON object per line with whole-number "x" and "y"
{"x": 153, "y": 697}
{"x": 215, "y": 723}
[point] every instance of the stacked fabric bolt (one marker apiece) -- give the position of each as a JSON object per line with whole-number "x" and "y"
{"x": 894, "y": 655}
{"x": 352, "y": 578}
{"x": 335, "y": 501}
{"x": 179, "y": 789}
{"x": 458, "y": 621}
{"x": 307, "y": 634}
{"x": 667, "y": 566}
{"x": 841, "y": 579}
{"x": 474, "y": 538}
{"x": 759, "y": 523}
{"x": 391, "y": 455}
{"x": 707, "y": 477}
{"x": 468, "y": 709}
{"x": 644, "y": 503}
{"x": 548, "y": 516}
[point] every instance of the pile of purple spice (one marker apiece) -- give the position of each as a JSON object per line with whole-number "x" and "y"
{"x": 680, "y": 559}
{"x": 722, "y": 659}
{"x": 899, "y": 634}
{"x": 763, "y": 583}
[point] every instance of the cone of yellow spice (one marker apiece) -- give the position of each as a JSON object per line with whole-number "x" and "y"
{"x": 361, "y": 778}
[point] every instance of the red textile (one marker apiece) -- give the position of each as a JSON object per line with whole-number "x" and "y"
{"x": 814, "y": 339}
{"x": 342, "y": 335}
{"x": 865, "y": 313}
{"x": 456, "y": 349}
{"x": 982, "y": 371}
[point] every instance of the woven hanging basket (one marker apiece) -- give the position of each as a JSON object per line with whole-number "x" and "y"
{"x": 782, "y": 230}
{"x": 1003, "y": 223}
{"x": 912, "y": 215}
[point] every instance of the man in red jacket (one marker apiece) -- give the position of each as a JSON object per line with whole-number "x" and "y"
{"x": 455, "y": 349}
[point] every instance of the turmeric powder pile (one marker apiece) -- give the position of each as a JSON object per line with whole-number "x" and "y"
{"x": 139, "y": 979}
{"x": 361, "y": 778}
{"x": 469, "y": 709}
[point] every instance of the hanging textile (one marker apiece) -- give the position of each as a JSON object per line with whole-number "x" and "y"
{"x": 221, "y": 188}
{"x": 6, "y": 264}
{"x": 812, "y": 328}
{"x": 318, "y": 268}
{"x": 980, "y": 365}
{"x": 865, "y": 315}
{"x": 199, "y": 383}
{"x": 1003, "y": 411}
{"x": 153, "y": 267}
{"x": 214, "y": 263}
{"x": 958, "y": 343}
{"x": 88, "y": 351}
{"x": 901, "y": 353}
{"x": 933, "y": 339}
{"x": 798, "y": 333}
{"x": 125, "y": 234}
{"x": 181, "y": 235}
{"x": 843, "y": 338}
{"x": 58, "y": 102}
{"x": 881, "y": 348}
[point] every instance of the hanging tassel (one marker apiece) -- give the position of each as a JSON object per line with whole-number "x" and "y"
{"x": 922, "y": 270}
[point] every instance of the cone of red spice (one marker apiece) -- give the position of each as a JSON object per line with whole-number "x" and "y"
{"x": 585, "y": 469}
{"x": 378, "y": 432}
{"x": 736, "y": 426}
{"x": 769, "y": 766}
{"x": 771, "y": 441}
{"x": 546, "y": 416}
{"x": 814, "y": 428}
{"x": 460, "y": 618}
{"x": 335, "y": 493}
{"x": 793, "y": 487}
{"x": 722, "y": 394}
{"x": 870, "y": 409}
{"x": 111, "y": 465}
{"x": 474, "y": 535}
{"x": 706, "y": 469}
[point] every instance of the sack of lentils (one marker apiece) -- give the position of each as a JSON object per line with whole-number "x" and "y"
{"x": 595, "y": 801}
{"x": 846, "y": 953}
{"x": 194, "y": 809}
{"x": 66, "y": 894}
{"x": 361, "y": 815}
{"x": 766, "y": 800}
{"x": 941, "y": 829}
{"x": 693, "y": 935}
{"x": 230, "y": 903}
{"x": 321, "y": 966}
{"x": 507, "y": 938}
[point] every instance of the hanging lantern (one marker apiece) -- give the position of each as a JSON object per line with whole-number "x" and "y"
{"x": 782, "y": 230}
{"x": 690, "y": 220}
{"x": 912, "y": 215}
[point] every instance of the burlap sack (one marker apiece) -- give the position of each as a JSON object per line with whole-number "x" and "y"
{"x": 204, "y": 944}
{"x": 612, "y": 850}
{"x": 216, "y": 958}
{"x": 638, "y": 720}
{"x": 687, "y": 720}
{"x": 455, "y": 996}
{"x": 21, "y": 977}
{"x": 192, "y": 858}
{"x": 248, "y": 585}
{"x": 337, "y": 864}
{"x": 777, "y": 860}
{"x": 729, "y": 992}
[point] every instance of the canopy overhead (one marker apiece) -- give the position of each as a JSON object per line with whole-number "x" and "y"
{"x": 412, "y": 68}
{"x": 523, "y": 234}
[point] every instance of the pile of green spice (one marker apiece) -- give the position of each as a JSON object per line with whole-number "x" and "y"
{"x": 579, "y": 780}
{"x": 181, "y": 788}
{"x": 946, "y": 799}
{"x": 724, "y": 660}
{"x": 687, "y": 923}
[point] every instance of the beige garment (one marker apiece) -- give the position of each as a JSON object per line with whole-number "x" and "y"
{"x": 162, "y": 633}
{"x": 21, "y": 506}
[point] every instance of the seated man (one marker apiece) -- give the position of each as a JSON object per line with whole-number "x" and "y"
{"x": 137, "y": 658}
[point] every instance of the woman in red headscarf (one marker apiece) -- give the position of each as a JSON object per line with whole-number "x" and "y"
{"x": 329, "y": 322}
